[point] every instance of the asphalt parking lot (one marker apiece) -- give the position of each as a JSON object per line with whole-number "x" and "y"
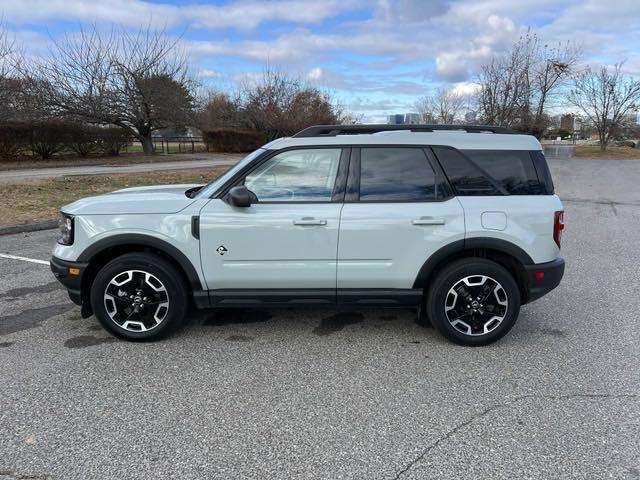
{"x": 319, "y": 394}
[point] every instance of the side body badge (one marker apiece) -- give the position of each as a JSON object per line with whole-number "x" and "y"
{"x": 222, "y": 250}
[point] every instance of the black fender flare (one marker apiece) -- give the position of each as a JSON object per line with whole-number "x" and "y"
{"x": 145, "y": 241}
{"x": 469, "y": 244}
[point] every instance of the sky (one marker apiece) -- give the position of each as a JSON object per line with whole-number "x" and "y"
{"x": 376, "y": 57}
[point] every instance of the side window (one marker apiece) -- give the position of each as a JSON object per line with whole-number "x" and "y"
{"x": 512, "y": 169}
{"x": 396, "y": 174}
{"x": 465, "y": 177}
{"x": 544, "y": 175}
{"x": 306, "y": 175}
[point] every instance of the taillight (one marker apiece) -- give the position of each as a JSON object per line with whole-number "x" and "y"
{"x": 558, "y": 226}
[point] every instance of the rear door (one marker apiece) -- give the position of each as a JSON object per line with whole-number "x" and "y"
{"x": 398, "y": 211}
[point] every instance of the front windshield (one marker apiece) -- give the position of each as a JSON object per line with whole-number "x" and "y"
{"x": 208, "y": 189}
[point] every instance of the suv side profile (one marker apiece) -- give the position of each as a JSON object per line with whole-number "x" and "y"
{"x": 460, "y": 222}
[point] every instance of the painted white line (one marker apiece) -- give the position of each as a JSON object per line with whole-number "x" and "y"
{"x": 24, "y": 259}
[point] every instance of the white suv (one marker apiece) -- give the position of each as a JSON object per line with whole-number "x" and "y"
{"x": 460, "y": 222}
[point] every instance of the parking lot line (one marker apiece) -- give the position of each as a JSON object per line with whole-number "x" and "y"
{"x": 24, "y": 259}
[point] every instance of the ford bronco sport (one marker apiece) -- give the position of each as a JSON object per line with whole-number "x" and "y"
{"x": 460, "y": 222}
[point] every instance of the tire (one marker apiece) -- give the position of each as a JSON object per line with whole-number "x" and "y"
{"x": 473, "y": 302}
{"x": 139, "y": 297}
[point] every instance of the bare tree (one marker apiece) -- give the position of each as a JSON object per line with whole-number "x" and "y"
{"x": 219, "y": 109}
{"x": 279, "y": 104}
{"x": 7, "y": 48}
{"x": 516, "y": 88}
{"x": 606, "y": 97}
{"x": 553, "y": 67}
{"x": 444, "y": 107}
{"x": 137, "y": 81}
{"x": 10, "y": 81}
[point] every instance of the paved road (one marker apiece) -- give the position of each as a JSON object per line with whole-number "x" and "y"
{"x": 315, "y": 394}
{"x": 211, "y": 160}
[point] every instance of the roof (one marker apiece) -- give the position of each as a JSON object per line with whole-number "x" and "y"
{"x": 333, "y": 130}
{"x": 455, "y": 138}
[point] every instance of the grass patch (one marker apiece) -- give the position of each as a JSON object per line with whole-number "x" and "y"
{"x": 611, "y": 153}
{"x": 36, "y": 200}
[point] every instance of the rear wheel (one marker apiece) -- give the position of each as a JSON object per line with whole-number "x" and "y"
{"x": 139, "y": 296}
{"x": 473, "y": 302}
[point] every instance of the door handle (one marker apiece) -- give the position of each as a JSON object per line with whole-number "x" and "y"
{"x": 309, "y": 221}
{"x": 428, "y": 221}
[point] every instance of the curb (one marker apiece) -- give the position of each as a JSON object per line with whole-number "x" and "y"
{"x": 29, "y": 227}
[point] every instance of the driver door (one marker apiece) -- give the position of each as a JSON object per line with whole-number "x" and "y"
{"x": 286, "y": 241}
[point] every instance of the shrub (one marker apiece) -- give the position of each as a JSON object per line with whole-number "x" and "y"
{"x": 83, "y": 139}
{"x": 233, "y": 139}
{"x": 14, "y": 140}
{"x": 49, "y": 138}
{"x": 113, "y": 139}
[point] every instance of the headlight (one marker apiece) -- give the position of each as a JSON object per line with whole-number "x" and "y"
{"x": 66, "y": 229}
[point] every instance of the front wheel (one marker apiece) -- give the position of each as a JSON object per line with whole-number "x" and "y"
{"x": 139, "y": 296}
{"x": 473, "y": 302}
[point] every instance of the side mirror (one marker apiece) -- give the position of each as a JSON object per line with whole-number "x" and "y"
{"x": 239, "y": 196}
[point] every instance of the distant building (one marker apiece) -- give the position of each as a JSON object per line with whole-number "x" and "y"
{"x": 404, "y": 119}
{"x": 428, "y": 119}
{"x": 568, "y": 122}
{"x": 470, "y": 116}
{"x": 412, "y": 118}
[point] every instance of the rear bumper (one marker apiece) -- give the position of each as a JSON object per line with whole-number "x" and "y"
{"x": 73, "y": 282}
{"x": 541, "y": 278}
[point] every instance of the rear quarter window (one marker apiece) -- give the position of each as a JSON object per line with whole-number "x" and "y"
{"x": 512, "y": 169}
{"x": 491, "y": 172}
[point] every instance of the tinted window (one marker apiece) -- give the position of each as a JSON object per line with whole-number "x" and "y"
{"x": 396, "y": 174}
{"x": 544, "y": 175}
{"x": 306, "y": 175}
{"x": 512, "y": 169}
{"x": 490, "y": 172}
{"x": 465, "y": 178}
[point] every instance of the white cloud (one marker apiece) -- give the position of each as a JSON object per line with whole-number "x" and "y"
{"x": 243, "y": 15}
{"x": 314, "y": 73}
{"x": 400, "y": 49}
{"x": 465, "y": 89}
{"x": 208, "y": 73}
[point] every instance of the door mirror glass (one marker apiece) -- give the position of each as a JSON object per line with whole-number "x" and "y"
{"x": 239, "y": 196}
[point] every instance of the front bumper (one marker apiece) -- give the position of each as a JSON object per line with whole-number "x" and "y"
{"x": 541, "y": 278}
{"x": 70, "y": 275}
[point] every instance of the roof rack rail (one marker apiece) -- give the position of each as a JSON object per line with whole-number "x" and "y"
{"x": 333, "y": 130}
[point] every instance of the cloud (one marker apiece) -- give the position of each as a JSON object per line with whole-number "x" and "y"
{"x": 410, "y": 10}
{"x": 465, "y": 89}
{"x": 242, "y": 15}
{"x": 384, "y": 53}
{"x": 314, "y": 73}
{"x": 208, "y": 73}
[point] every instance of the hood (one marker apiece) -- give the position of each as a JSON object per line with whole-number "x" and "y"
{"x": 136, "y": 200}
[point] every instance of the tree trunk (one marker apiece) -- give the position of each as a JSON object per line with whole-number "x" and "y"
{"x": 147, "y": 144}
{"x": 603, "y": 142}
